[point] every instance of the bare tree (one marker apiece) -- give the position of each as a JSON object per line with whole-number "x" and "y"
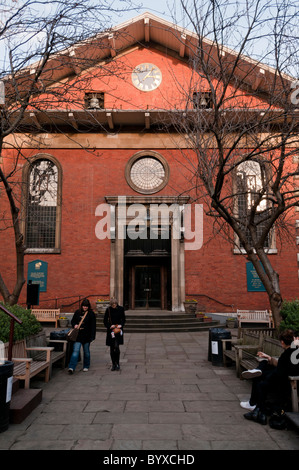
{"x": 41, "y": 44}
{"x": 239, "y": 116}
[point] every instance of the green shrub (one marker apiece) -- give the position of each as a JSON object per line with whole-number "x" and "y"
{"x": 30, "y": 325}
{"x": 290, "y": 315}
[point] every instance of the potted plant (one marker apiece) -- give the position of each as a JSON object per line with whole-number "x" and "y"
{"x": 207, "y": 319}
{"x": 63, "y": 322}
{"x": 190, "y": 305}
{"x": 101, "y": 305}
{"x": 200, "y": 315}
{"x": 230, "y": 322}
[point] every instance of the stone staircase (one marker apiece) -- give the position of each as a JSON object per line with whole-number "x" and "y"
{"x": 156, "y": 322}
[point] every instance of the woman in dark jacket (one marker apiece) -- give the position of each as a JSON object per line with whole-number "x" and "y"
{"x": 87, "y": 334}
{"x": 114, "y": 318}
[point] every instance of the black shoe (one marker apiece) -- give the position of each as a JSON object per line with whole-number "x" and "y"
{"x": 262, "y": 418}
{"x": 251, "y": 415}
{"x": 117, "y": 367}
{"x": 113, "y": 367}
{"x": 257, "y": 416}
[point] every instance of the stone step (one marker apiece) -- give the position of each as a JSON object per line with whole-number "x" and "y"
{"x": 23, "y": 402}
{"x": 155, "y": 323}
{"x": 293, "y": 417}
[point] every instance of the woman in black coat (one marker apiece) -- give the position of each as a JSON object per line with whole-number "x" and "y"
{"x": 272, "y": 376}
{"x": 86, "y": 335}
{"x": 114, "y": 318}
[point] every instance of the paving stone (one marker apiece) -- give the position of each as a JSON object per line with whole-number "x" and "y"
{"x": 174, "y": 406}
{"x": 147, "y": 431}
{"x": 167, "y": 396}
{"x": 93, "y": 444}
{"x": 87, "y": 432}
{"x": 39, "y": 444}
{"x": 126, "y": 444}
{"x": 126, "y": 417}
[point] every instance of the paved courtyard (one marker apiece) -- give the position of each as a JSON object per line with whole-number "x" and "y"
{"x": 168, "y": 396}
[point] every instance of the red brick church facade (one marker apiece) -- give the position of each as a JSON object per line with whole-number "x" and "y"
{"x": 118, "y": 151}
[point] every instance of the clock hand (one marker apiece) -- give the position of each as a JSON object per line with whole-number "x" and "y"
{"x": 149, "y": 74}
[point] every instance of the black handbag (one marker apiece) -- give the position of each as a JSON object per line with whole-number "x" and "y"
{"x": 73, "y": 333}
{"x": 278, "y": 420}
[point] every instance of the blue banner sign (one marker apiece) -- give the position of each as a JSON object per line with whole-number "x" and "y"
{"x": 38, "y": 273}
{"x": 254, "y": 284}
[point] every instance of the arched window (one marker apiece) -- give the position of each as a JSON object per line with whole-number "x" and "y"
{"x": 249, "y": 175}
{"x": 43, "y": 206}
{"x": 251, "y": 184}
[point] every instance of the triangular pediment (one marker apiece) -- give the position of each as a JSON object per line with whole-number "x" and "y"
{"x": 150, "y": 30}
{"x": 102, "y": 68}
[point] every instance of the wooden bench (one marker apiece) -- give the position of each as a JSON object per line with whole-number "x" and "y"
{"x": 46, "y": 315}
{"x": 293, "y": 417}
{"x": 245, "y": 317}
{"x": 57, "y": 354}
{"x": 26, "y": 367}
{"x": 231, "y": 347}
{"x": 248, "y": 358}
{"x": 271, "y": 332}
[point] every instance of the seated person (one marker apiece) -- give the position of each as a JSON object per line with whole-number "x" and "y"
{"x": 272, "y": 376}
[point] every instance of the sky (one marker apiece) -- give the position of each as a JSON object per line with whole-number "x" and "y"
{"x": 172, "y": 12}
{"x": 166, "y": 9}
{"x": 157, "y": 7}
{"x": 263, "y": 42}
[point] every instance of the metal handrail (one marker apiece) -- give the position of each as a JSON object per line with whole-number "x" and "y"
{"x": 80, "y": 297}
{"x": 78, "y": 300}
{"x": 13, "y": 319}
{"x": 210, "y": 298}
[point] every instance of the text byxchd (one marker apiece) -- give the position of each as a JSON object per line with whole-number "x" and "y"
{"x": 151, "y": 459}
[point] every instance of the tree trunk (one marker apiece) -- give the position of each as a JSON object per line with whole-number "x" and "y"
{"x": 12, "y": 298}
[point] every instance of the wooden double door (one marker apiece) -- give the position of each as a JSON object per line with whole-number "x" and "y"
{"x": 148, "y": 286}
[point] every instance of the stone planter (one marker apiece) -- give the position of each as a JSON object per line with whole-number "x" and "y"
{"x": 230, "y": 323}
{"x": 190, "y": 307}
{"x": 200, "y": 316}
{"x": 101, "y": 305}
{"x": 63, "y": 323}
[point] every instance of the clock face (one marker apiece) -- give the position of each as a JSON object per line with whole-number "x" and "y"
{"x": 146, "y": 77}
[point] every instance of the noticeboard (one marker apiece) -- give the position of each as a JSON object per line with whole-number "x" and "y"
{"x": 38, "y": 274}
{"x": 254, "y": 283}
